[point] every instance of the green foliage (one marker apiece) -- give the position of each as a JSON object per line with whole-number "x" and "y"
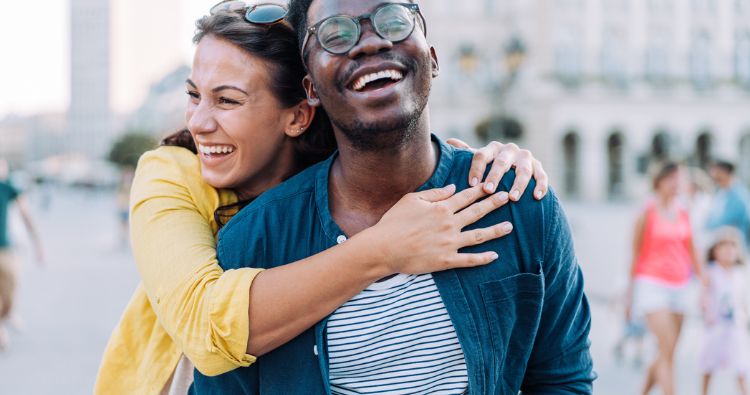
{"x": 128, "y": 149}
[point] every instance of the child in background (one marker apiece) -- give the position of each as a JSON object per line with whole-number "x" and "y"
{"x": 725, "y": 311}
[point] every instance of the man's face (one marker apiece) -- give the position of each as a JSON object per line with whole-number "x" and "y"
{"x": 380, "y": 113}
{"x": 719, "y": 175}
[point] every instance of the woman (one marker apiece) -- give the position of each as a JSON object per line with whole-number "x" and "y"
{"x": 664, "y": 259}
{"x": 255, "y": 129}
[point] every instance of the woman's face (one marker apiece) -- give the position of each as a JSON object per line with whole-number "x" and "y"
{"x": 669, "y": 186}
{"x": 726, "y": 253}
{"x": 237, "y": 123}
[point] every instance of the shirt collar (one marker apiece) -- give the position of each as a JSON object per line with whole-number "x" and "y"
{"x": 331, "y": 229}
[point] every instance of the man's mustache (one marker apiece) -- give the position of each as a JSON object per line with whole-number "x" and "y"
{"x": 409, "y": 63}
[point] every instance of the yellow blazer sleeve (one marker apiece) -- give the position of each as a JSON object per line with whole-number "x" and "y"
{"x": 203, "y": 308}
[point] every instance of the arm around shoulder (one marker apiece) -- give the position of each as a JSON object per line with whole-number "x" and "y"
{"x": 203, "y": 308}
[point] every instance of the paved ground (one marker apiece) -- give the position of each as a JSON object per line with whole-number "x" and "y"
{"x": 70, "y": 307}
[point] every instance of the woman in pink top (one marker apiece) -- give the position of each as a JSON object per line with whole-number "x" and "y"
{"x": 663, "y": 262}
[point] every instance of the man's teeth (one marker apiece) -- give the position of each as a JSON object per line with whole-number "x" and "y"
{"x": 361, "y": 82}
{"x": 215, "y": 149}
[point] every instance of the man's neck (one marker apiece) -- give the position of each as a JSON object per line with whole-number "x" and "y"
{"x": 365, "y": 184}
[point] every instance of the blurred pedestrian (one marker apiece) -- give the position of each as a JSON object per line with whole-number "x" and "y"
{"x": 730, "y": 207}
{"x": 123, "y": 204}
{"x": 699, "y": 200}
{"x": 8, "y": 266}
{"x": 725, "y": 311}
{"x": 663, "y": 259}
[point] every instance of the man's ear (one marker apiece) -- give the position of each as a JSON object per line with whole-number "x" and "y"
{"x": 312, "y": 95}
{"x": 435, "y": 64}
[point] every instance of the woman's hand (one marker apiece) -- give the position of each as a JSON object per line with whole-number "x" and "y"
{"x": 422, "y": 233}
{"x": 503, "y": 157}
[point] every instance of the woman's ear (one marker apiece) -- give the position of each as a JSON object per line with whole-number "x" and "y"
{"x": 302, "y": 116}
{"x": 312, "y": 95}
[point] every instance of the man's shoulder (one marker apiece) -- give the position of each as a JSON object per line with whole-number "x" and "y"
{"x": 527, "y": 204}
{"x": 290, "y": 197}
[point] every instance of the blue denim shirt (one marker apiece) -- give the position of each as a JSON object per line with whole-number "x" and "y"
{"x": 731, "y": 209}
{"x": 523, "y": 321}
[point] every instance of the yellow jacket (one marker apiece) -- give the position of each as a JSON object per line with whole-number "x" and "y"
{"x": 185, "y": 303}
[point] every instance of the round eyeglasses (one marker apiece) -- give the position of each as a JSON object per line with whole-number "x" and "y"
{"x": 338, "y": 34}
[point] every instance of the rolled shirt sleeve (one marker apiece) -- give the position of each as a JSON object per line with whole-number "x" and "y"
{"x": 203, "y": 308}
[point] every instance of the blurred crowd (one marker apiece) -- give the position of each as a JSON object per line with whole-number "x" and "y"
{"x": 694, "y": 228}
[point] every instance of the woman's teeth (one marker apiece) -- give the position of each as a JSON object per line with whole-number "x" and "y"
{"x": 215, "y": 149}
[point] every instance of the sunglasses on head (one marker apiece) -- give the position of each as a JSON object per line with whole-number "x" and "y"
{"x": 338, "y": 34}
{"x": 259, "y": 14}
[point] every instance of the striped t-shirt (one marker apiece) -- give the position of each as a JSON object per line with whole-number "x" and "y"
{"x": 395, "y": 338}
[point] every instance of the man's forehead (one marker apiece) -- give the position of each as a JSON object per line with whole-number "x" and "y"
{"x": 320, "y": 9}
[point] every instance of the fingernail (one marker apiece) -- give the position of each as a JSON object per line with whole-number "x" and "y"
{"x": 515, "y": 194}
{"x": 539, "y": 194}
{"x": 490, "y": 187}
{"x": 508, "y": 227}
{"x": 494, "y": 256}
{"x": 474, "y": 182}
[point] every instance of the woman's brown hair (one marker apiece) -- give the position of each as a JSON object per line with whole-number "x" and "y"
{"x": 277, "y": 46}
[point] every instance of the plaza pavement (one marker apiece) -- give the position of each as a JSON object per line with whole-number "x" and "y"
{"x": 70, "y": 306}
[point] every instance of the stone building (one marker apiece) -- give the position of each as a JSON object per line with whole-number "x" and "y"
{"x": 598, "y": 89}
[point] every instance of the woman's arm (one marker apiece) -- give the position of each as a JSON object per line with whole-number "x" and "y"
{"x": 640, "y": 226}
{"x": 420, "y": 234}
{"x": 25, "y": 212}
{"x": 200, "y": 306}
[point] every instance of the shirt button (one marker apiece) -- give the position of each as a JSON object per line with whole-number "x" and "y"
{"x": 315, "y": 349}
{"x": 341, "y": 239}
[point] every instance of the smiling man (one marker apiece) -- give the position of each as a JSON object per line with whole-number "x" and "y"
{"x": 520, "y": 323}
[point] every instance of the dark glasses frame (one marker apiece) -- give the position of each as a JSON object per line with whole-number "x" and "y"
{"x": 313, "y": 30}
{"x": 253, "y": 12}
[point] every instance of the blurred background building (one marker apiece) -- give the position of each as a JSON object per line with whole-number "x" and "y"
{"x": 90, "y": 128}
{"x": 600, "y": 89}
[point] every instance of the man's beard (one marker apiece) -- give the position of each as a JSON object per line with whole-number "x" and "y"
{"x": 388, "y": 134}
{"x": 378, "y": 136}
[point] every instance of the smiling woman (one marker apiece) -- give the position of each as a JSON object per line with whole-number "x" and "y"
{"x": 250, "y": 126}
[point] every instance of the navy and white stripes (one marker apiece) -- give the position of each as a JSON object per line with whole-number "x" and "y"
{"x": 395, "y": 338}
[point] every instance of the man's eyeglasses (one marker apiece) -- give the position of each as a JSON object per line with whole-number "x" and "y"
{"x": 338, "y": 34}
{"x": 259, "y": 14}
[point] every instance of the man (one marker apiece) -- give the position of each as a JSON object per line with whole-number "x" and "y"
{"x": 518, "y": 324}
{"x": 8, "y": 266}
{"x": 730, "y": 206}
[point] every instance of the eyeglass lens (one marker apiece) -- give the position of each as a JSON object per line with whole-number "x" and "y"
{"x": 339, "y": 34}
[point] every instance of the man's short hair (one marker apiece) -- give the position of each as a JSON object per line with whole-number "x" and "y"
{"x": 724, "y": 165}
{"x": 298, "y": 18}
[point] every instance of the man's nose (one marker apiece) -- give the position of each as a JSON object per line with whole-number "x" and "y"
{"x": 370, "y": 43}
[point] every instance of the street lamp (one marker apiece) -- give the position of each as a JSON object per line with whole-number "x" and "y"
{"x": 499, "y": 125}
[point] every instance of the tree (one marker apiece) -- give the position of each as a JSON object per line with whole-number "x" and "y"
{"x": 129, "y": 148}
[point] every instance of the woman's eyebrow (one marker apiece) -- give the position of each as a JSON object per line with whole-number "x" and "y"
{"x": 218, "y": 88}
{"x": 223, "y": 87}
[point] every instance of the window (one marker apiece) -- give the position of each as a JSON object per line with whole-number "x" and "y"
{"x": 742, "y": 59}
{"x": 657, "y": 65}
{"x": 568, "y": 58}
{"x": 613, "y": 59}
{"x": 700, "y": 61}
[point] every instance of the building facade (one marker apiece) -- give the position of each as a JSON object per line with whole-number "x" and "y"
{"x": 90, "y": 128}
{"x": 600, "y": 90}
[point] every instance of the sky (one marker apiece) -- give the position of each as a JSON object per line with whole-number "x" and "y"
{"x": 34, "y": 73}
